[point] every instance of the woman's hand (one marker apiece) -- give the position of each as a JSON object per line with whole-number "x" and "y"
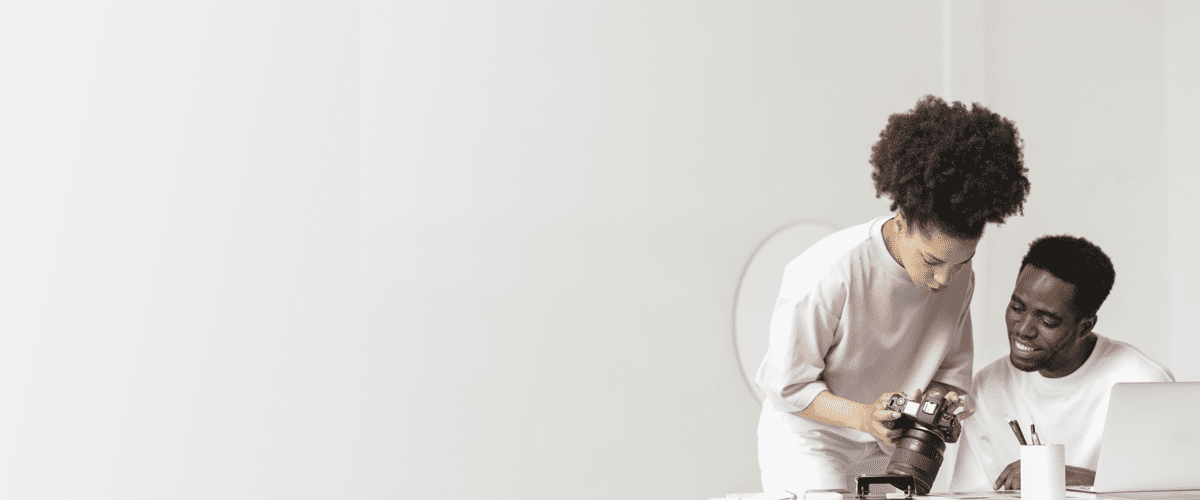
{"x": 957, "y": 404}
{"x": 877, "y": 419}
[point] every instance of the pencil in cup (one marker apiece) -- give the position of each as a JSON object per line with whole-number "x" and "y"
{"x": 1016, "y": 427}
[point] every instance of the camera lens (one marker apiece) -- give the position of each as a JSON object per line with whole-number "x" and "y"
{"x": 918, "y": 454}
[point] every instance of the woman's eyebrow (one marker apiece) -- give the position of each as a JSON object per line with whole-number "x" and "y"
{"x": 939, "y": 261}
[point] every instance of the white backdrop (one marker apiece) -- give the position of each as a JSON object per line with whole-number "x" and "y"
{"x": 178, "y": 253}
{"x": 489, "y": 249}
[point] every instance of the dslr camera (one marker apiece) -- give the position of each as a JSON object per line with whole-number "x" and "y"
{"x": 928, "y": 425}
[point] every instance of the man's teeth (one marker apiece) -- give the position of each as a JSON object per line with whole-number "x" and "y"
{"x": 1024, "y": 347}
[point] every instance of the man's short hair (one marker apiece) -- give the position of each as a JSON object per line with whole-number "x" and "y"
{"x": 950, "y": 167}
{"x": 1078, "y": 262}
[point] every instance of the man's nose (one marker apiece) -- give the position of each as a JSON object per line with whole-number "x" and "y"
{"x": 1025, "y": 327}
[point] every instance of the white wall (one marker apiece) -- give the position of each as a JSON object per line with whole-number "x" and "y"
{"x": 480, "y": 249}
{"x": 178, "y": 247}
{"x": 1181, "y": 42}
{"x": 1084, "y": 82}
{"x": 558, "y": 199}
{"x": 586, "y": 181}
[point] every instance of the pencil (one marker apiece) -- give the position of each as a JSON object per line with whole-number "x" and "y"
{"x": 1016, "y": 430}
{"x": 1033, "y": 434}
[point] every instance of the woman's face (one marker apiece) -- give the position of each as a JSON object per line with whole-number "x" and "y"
{"x": 931, "y": 257}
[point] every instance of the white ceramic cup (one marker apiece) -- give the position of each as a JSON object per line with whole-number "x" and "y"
{"x": 1043, "y": 472}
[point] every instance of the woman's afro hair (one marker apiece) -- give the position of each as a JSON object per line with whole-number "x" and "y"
{"x": 951, "y": 167}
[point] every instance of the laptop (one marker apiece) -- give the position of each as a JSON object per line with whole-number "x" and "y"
{"x": 1151, "y": 443}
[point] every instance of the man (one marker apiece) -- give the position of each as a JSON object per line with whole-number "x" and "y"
{"x": 883, "y": 307}
{"x": 1058, "y": 373}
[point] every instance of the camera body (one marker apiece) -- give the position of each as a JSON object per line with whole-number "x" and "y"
{"x": 929, "y": 413}
{"x": 928, "y": 426}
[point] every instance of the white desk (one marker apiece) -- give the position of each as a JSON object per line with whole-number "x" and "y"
{"x": 981, "y": 495}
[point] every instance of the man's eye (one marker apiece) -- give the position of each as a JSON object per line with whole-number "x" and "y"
{"x": 1049, "y": 324}
{"x": 1017, "y": 308}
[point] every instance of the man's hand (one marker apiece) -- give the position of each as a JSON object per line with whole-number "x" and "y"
{"x": 1010, "y": 477}
{"x": 877, "y": 420}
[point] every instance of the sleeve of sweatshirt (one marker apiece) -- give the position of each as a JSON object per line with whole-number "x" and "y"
{"x": 969, "y": 473}
{"x": 804, "y": 327}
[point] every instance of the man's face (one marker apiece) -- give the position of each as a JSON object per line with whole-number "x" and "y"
{"x": 931, "y": 257}
{"x": 1044, "y": 333}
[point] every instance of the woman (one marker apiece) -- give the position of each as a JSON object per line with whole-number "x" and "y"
{"x": 883, "y": 307}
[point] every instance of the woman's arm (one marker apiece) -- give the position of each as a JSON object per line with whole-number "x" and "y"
{"x": 829, "y": 409}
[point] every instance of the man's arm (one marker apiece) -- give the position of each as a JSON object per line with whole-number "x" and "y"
{"x": 969, "y": 471}
{"x": 1010, "y": 477}
{"x": 1078, "y": 476}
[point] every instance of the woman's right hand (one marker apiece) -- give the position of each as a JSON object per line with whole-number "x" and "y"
{"x": 877, "y": 419}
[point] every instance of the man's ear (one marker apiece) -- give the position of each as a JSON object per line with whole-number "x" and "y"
{"x": 1085, "y": 326}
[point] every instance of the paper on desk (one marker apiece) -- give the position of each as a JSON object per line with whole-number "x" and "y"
{"x": 757, "y": 496}
{"x": 831, "y": 495}
{"x": 974, "y": 495}
{"x": 1000, "y": 494}
{"x": 782, "y": 495}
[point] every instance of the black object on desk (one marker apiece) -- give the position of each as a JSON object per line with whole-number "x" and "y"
{"x": 905, "y": 483}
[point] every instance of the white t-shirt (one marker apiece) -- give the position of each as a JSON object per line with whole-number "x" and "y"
{"x": 850, "y": 320}
{"x": 1068, "y": 410}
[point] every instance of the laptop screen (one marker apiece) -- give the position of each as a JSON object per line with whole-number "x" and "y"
{"x": 1151, "y": 438}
